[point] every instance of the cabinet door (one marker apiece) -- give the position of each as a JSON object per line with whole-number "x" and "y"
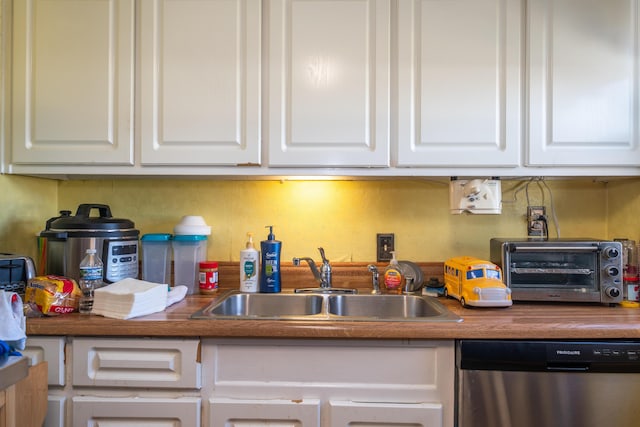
{"x": 50, "y": 350}
{"x": 329, "y": 83}
{"x": 7, "y": 407}
{"x": 459, "y": 83}
{"x": 73, "y": 82}
{"x": 200, "y": 82}
{"x": 345, "y": 413}
{"x": 267, "y": 413}
{"x": 583, "y": 65}
{"x": 89, "y": 411}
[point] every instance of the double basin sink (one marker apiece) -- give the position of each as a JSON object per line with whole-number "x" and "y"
{"x": 333, "y": 307}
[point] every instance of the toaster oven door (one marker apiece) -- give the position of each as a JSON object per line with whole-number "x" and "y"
{"x": 562, "y": 273}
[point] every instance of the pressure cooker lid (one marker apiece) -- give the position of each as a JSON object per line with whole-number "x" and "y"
{"x": 83, "y": 221}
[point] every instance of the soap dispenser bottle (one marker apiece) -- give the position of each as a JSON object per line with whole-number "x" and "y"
{"x": 270, "y": 268}
{"x": 249, "y": 259}
{"x": 393, "y": 277}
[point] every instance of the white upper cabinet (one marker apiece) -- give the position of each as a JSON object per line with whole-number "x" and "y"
{"x": 200, "y": 82}
{"x": 329, "y": 83}
{"x": 73, "y": 74}
{"x": 583, "y": 71}
{"x": 460, "y": 82}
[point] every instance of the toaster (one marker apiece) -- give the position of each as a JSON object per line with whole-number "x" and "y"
{"x": 15, "y": 272}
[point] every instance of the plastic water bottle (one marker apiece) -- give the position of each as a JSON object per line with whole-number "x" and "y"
{"x": 90, "y": 279}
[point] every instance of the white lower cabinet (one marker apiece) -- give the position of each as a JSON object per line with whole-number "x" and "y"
{"x": 328, "y": 383}
{"x": 50, "y": 350}
{"x": 92, "y": 411}
{"x": 230, "y": 382}
{"x": 120, "y": 381}
{"x": 256, "y": 412}
{"x": 387, "y": 414}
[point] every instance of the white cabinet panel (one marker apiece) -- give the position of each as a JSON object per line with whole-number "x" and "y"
{"x": 136, "y": 363}
{"x": 584, "y": 83}
{"x": 264, "y": 413}
{"x": 50, "y": 350}
{"x": 73, "y": 82}
{"x": 136, "y": 411}
{"x": 55, "y": 411}
{"x": 357, "y": 377}
{"x": 329, "y": 83}
{"x": 370, "y": 414}
{"x": 459, "y": 82}
{"x": 200, "y": 87}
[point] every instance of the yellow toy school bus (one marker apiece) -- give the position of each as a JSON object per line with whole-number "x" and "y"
{"x": 475, "y": 282}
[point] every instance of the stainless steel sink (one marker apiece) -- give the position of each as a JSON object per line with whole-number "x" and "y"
{"x": 386, "y": 307}
{"x": 280, "y": 305}
{"x": 319, "y": 307}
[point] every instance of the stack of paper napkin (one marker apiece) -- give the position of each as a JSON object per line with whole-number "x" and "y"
{"x": 129, "y": 298}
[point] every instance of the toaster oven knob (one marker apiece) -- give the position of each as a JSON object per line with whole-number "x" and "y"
{"x": 611, "y": 253}
{"x": 612, "y": 271}
{"x": 612, "y": 292}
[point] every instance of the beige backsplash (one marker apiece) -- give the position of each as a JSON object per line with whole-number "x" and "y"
{"x": 341, "y": 216}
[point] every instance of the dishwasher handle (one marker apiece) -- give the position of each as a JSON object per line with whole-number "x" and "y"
{"x": 556, "y": 367}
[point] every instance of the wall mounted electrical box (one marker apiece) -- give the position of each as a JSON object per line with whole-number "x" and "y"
{"x": 476, "y": 196}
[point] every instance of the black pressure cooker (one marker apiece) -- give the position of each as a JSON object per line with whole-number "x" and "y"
{"x": 67, "y": 238}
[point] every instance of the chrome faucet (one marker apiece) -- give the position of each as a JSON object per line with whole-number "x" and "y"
{"x": 323, "y": 276}
{"x": 375, "y": 282}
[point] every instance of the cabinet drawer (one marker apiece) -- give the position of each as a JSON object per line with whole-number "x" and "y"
{"x": 50, "y": 350}
{"x": 148, "y": 363}
{"x": 272, "y": 413}
{"x": 140, "y": 411}
{"x": 346, "y": 413}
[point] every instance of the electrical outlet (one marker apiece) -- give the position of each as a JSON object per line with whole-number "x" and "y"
{"x": 385, "y": 245}
{"x": 536, "y": 221}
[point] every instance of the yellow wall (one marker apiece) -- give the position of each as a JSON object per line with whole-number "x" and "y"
{"x": 341, "y": 216}
{"x": 624, "y": 209}
{"x": 25, "y": 205}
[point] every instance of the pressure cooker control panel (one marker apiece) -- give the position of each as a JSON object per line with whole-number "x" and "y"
{"x": 120, "y": 260}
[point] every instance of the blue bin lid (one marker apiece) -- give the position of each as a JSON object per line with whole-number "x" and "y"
{"x": 156, "y": 237}
{"x": 189, "y": 238}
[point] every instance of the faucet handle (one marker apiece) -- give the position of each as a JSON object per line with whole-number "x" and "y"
{"x": 324, "y": 258}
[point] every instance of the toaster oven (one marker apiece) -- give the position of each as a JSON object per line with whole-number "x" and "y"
{"x": 571, "y": 270}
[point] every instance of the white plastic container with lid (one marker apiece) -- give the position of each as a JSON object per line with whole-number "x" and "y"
{"x": 189, "y": 249}
{"x": 192, "y": 225}
{"x": 188, "y": 252}
{"x": 156, "y": 257}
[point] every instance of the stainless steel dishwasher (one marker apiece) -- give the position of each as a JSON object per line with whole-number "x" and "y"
{"x": 548, "y": 383}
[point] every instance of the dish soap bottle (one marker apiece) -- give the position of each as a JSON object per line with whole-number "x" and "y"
{"x": 249, "y": 259}
{"x": 270, "y": 268}
{"x": 393, "y": 277}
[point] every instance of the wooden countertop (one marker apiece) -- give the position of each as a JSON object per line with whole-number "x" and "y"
{"x": 521, "y": 321}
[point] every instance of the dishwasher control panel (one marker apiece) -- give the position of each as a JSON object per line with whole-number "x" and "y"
{"x": 593, "y": 351}
{"x": 570, "y": 356}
